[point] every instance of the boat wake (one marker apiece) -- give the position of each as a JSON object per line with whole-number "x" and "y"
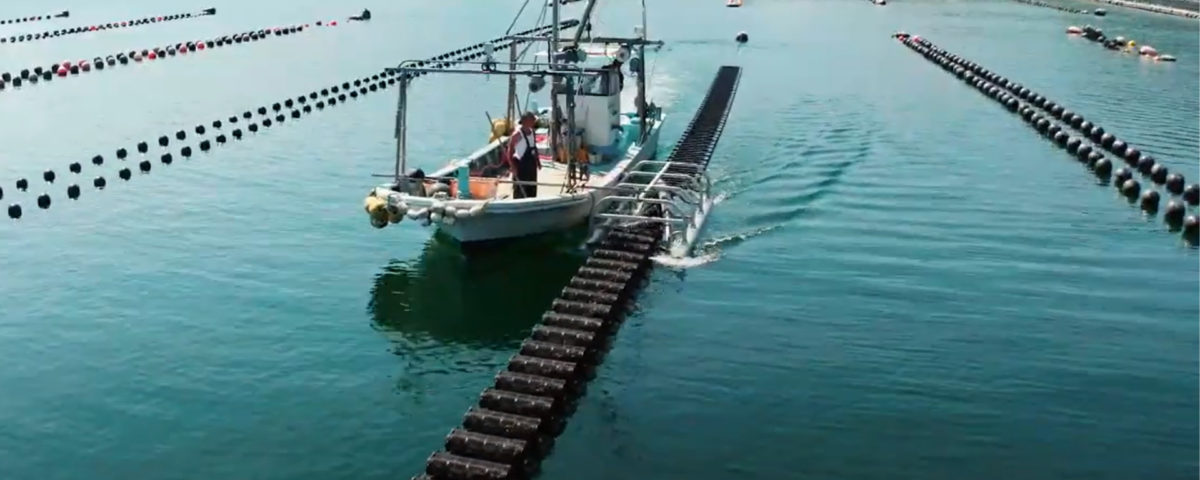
{"x": 684, "y": 263}
{"x": 709, "y": 251}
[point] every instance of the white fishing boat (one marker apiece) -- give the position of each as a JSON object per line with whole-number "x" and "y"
{"x": 472, "y": 199}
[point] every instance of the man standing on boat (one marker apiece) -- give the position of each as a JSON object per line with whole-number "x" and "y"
{"x": 523, "y": 159}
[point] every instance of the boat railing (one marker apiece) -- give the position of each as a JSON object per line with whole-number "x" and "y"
{"x": 676, "y": 195}
{"x": 449, "y": 179}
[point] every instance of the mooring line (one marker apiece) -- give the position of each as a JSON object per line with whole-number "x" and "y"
{"x": 32, "y": 76}
{"x": 36, "y": 18}
{"x": 1039, "y": 113}
{"x": 266, "y": 117}
{"x": 29, "y": 37}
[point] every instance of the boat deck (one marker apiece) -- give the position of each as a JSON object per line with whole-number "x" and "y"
{"x": 550, "y": 174}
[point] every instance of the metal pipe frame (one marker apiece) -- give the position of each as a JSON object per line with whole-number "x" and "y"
{"x": 581, "y": 72}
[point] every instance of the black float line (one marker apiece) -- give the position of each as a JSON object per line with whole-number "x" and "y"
{"x": 516, "y": 421}
{"x": 296, "y": 107}
{"x": 29, "y": 37}
{"x": 1061, "y": 8}
{"x": 38, "y": 18}
{"x": 998, "y": 88}
{"x": 36, "y": 74}
{"x": 1150, "y": 7}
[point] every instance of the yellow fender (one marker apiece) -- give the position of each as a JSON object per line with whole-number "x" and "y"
{"x": 377, "y": 210}
{"x": 500, "y": 128}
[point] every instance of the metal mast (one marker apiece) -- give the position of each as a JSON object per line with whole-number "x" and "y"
{"x": 641, "y": 78}
{"x": 574, "y": 172}
{"x": 555, "y": 82}
{"x": 401, "y": 133}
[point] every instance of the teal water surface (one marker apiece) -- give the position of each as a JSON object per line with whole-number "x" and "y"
{"x": 902, "y": 280}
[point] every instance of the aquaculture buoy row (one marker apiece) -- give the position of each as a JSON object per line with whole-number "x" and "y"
{"x": 476, "y": 51}
{"x": 516, "y": 421}
{"x": 33, "y": 75}
{"x": 1060, "y": 8}
{"x": 268, "y": 117}
{"x": 1178, "y": 12}
{"x": 1040, "y": 114}
{"x": 29, "y": 37}
{"x": 1119, "y": 43}
{"x": 38, "y": 18}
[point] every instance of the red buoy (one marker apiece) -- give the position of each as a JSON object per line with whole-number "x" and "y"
{"x": 333, "y": 23}
{"x": 151, "y": 55}
{"x": 85, "y": 66}
{"x": 92, "y": 28}
{"x": 62, "y": 71}
{"x": 66, "y": 65}
{"x": 200, "y": 45}
{"x": 124, "y": 24}
{"x": 160, "y": 19}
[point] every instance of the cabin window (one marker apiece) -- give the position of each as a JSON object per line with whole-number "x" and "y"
{"x": 609, "y": 83}
{"x": 601, "y": 84}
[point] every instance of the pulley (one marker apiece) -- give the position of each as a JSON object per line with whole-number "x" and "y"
{"x": 635, "y": 65}
{"x": 622, "y": 54}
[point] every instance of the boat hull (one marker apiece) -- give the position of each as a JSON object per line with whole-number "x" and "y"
{"x": 478, "y": 221}
{"x": 495, "y": 226}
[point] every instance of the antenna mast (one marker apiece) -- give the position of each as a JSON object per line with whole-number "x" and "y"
{"x": 641, "y": 78}
{"x": 555, "y": 81}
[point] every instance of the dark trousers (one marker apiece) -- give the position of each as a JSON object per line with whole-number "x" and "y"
{"x": 527, "y": 171}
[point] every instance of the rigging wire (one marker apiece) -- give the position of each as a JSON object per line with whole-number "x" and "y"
{"x": 518, "y": 17}
{"x": 541, "y": 18}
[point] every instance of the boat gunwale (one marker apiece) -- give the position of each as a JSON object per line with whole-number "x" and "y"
{"x": 520, "y": 205}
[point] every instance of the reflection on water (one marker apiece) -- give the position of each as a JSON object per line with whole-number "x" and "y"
{"x": 488, "y": 299}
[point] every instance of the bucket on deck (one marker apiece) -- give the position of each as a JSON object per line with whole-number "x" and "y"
{"x": 481, "y": 188}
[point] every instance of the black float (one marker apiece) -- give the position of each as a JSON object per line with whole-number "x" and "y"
{"x": 29, "y": 37}
{"x": 381, "y": 81}
{"x": 1060, "y": 8}
{"x": 1009, "y": 94}
{"x": 36, "y": 18}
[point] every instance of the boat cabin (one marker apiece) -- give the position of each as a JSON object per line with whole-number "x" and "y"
{"x": 604, "y": 131}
